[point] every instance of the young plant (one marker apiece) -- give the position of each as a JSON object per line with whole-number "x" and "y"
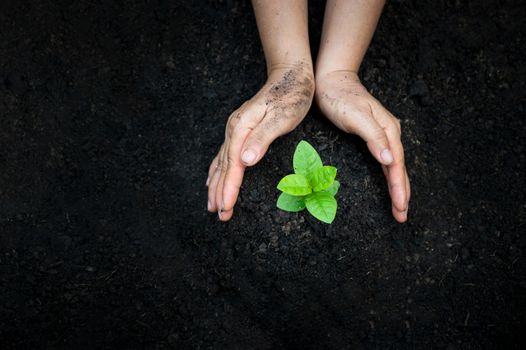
{"x": 312, "y": 186}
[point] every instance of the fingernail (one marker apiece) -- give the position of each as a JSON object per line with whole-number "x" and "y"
{"x": 209, "y": 206}
{"x": 387, "y": 156}
{"x": 219, "y": 213}
{"x": 207, "y": 181}
{"x": 248, "y": 156}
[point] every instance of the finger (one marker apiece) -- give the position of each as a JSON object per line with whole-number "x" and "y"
{"x": 226, "y": 215}
{"x": 397, "y": 186}
{"x": 408, "y": 193}
{"x": 212, "y": 169}
{"x": 396, "y": 170}
{"x": 397, "y": 174}
{"x": 386, "y": 171}
{"x": 233, "y": 179}
{"x": 397, "y": 213}
{"x": 236, "y": 169}
{"x": 219, "y": 189}
{"x": 364, "y": 125}
{"x": 407, "y": 187}
{"x": 400, "y": 216}
{"x": 259, "y": 140}
{"x": 392, "y": 118}
{"x": 214, "y": 180}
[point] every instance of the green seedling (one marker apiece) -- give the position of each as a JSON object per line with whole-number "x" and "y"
{"x": 312, "y": 186}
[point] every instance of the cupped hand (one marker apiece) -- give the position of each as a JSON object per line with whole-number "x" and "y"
{"x": 345, "y": 101}
{"x": 275, "y": 110}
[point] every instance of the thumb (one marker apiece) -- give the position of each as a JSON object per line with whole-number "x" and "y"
{"x": 259, "y": 139}
{"x": 376, "y": 139}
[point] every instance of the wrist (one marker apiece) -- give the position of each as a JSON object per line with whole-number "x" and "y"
{"x": 349, "y": 74}
{"x": 303, "y": 68}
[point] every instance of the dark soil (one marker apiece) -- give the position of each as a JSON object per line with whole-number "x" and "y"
{"x": 110, "y": 113}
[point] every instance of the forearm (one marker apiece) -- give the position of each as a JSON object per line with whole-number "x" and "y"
{"x": 284, "y": 34}
{"x": 347, "y": 31}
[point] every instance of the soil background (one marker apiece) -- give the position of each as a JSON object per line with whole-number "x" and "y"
{"x": 110, "y": 112}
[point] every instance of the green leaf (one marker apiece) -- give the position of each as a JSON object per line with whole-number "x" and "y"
{"x": 290, "y": 203}
{"x": 321, "y": 178}
{"x": 322, "y": 206}
{"x": 333, "y": 189}
{"x": 295, "y": 184}
{"x": 306, "y": 159}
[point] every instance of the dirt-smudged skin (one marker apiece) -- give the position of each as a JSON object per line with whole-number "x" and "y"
{"x": 292, "y": 95}
{"x": 282, "y": 88}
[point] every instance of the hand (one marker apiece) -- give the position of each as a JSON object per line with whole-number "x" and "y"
{"x": 346, "y": 102}
{"x": 275, "y": 110}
